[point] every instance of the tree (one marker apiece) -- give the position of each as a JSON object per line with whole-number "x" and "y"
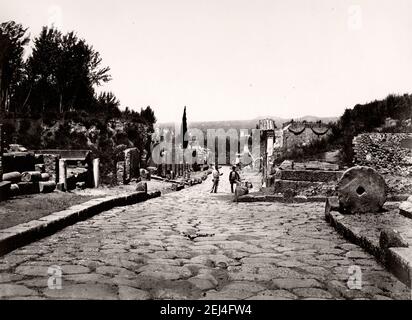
{"x": 63, "y": 71}
{"x": 12, "y": 41}
{"x": 184, "y": 130}
{"x": 108, "y": 103}
{"x": 148, "y": 116}
{"x": 43, "y": 72}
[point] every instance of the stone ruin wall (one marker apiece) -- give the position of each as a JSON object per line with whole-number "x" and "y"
{"x": 129, "y": 168}
{"x": 291, "y": 140}
{"x": 51, "y": 165}
{"x": 131, "y": 160}
{"x": 388, "y": 153}
{"x": 299, "y": 134}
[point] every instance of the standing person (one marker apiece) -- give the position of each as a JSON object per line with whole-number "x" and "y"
{"x": 233, "y": 178}
{"x": 215, "y": 174}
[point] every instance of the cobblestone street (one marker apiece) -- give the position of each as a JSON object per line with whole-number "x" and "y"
{"x": 196, "y": 245}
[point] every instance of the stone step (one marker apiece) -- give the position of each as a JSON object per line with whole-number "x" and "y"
{"x": 281, "y": 186}
{"x": 309, "y": 175}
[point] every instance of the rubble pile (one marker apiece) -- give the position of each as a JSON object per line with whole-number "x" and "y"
{"x": 388, "y": 153}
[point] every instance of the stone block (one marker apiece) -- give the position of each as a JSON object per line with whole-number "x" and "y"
{"x": 141, "y": 186}
{"x": 14, "y": 190}
{"x": 4, "y": 190}
{"x": 177, "y": 187}
{"x": 81, "y": 185}
{"x": 31, "y": 176}
{"x": 405, "y": 209}
{"x": 28, "y": 187}
{"x": 61, "y": 187}
{"x": 13, "y": 177}
{"x": 145, "y": 175}
{"x": 47, "y": 186}
{"x": 281, "y": 186}
{"x": 40, "y": 167}
{"x": 308, "y": 175}
{"x": 390, "y": 238}
{"x": 18, "y": 161}
{"x": 240, "y": 191}
{"x": 287, "y": 165}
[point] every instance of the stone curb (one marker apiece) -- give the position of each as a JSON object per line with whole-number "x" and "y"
{"x": 397, "y": 260}
{"x": 279, "y": 198}
{"x": 299, "y": 199}
{"x": 23, "y": 234}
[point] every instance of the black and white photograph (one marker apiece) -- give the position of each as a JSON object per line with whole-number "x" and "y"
{"x": 191, "y": 151}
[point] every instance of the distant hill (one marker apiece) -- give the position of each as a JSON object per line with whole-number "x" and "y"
{"x": 245, "y": 124}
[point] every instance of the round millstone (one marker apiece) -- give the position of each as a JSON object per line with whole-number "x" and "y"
{"x": 361, "y": 190}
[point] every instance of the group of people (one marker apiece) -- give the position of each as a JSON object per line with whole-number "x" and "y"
{"x": 234, "y": 178}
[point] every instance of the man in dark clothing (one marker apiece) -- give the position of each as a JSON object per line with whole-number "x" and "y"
{"x": 233, "y": 178}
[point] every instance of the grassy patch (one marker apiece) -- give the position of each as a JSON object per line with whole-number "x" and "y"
{"x": 31, "y": 207}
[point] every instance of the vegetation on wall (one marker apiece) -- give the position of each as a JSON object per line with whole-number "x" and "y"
{"x": 50, "y": 100}
{"x": 360, "y": 119}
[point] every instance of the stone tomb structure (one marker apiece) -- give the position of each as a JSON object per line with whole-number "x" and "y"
{"x": 267, "y": 138}
{"x": 70, "y": 169}
{"x": 4, "y": 185}
{"x": 300, "y": 133}
{"x": 128, "y": 168}
{"x": 313, "y": 178}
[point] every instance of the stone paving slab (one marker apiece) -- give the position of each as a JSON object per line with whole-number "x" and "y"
{"x": 197, "y": 245}
{"x": 25, "y": 233}
{"x": 366, "y": 230}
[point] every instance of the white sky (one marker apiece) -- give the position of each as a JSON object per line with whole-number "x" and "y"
{"x": 238, "y": 59}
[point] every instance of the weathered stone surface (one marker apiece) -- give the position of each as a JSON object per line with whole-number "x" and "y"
{"x": 145, "y": 175}
{"x": 312, "y": 293}
{"x": 384, "y": 152}
{"x": 406, "y": 208}
{"x": 129, "y": 293}
{"x": 13, "y": 177}
{"x": 361, "y": 190}
{"x": 88, "y": 291}
{"x": 220, "y": 250}
{"x": 390, "y": 238}
{"x": 274, "y": 295}
{"x": 202, "y": 284}
{"x": 281, "y": 186}
{"x": 286, "y": 165}
{"x": 240, "y": 191}
{"x": 141, "y": 186}
{"x": 12, "y": 290}
{"x": 308, "y": 175}
{"x": 177, "y": 187}
{"x": 288, "y": 194}
{"x": 295, "y": 283}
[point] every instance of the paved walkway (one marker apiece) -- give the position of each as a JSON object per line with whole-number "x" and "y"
{"x": 196, "y": 245}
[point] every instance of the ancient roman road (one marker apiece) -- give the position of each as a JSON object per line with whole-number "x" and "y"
{"x": 196, "y": 245}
